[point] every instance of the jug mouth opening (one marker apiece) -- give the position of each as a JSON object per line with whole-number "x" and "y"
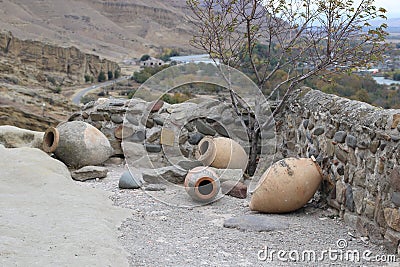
{"x": 207, "y": 150}
{"x": 205, "y": 188}
{"x": 50, "y": 140}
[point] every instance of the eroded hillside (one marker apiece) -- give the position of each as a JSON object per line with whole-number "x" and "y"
{"x": 113, "y": 29}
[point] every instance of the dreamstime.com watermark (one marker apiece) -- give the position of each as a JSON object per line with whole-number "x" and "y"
{"x": 339, "y": 254}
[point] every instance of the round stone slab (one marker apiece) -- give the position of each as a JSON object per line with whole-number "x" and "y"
{"x": 256, "y": 223}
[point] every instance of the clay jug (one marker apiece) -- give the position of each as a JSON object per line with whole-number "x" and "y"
{"x": 222, "y": 153}
{"x": 286, "y": 186}
{"x": 202, "y": 184}
{"x": 77, "y": 144}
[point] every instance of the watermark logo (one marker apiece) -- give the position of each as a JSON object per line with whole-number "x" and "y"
{"x": 340, "y": 253}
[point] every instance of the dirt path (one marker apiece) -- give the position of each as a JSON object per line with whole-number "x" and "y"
{"x": 157, "y": 234}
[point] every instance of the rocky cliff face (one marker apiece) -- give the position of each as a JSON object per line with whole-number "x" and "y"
{"x": 115, "y": 29}
{"x": 26, "y": 61}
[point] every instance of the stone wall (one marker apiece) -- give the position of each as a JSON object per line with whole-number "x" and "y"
{"x": 358, "y": 148}
{"x": 148, "y": 142}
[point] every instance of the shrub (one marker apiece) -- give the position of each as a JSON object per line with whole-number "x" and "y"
{"x": 102, "y": 76}
{"x": 117, "y": 74}
{"x": 110, "y": 75}
{"x": 88, "y": 78}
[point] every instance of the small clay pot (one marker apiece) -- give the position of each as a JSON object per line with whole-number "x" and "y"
{"x": 77, "y": 144}
{"x": 222, "y": 153}
{"x": 202, "y": 184}
{"x": 286, "y": 186}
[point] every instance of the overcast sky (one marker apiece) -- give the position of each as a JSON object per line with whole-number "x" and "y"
{"x": 392, "y": 7}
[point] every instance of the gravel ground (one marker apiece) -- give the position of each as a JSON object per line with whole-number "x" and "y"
{"x": 158, "y": 234}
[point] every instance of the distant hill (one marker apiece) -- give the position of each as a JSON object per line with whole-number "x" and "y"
{"x": 112, "y": 28}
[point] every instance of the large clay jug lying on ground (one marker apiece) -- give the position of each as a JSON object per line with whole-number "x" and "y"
{"x": 77, "y": 144}
{"x": 222, "y": 153}
{"x": 202, "y": 184}
{"x": 286, "y": 186}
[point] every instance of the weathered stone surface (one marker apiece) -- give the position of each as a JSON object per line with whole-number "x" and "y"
{"x": 392, "y": 240}
{"x": 374, "y": 146}
{"x": 167, "y": 137}
{"x": 395, "y": 179}
{"x": 318, "y": 131}
{"x": 229, "y": 174}
{"x": 94, "y": 116}
{"x": 89, "y": 172}
{"x": 204, "y": 128}
{"x": 195, "y": 138}
{"x": 349, "y": 199}
{"x": 153, "y": 134}
{"x": 234, "y": 189}
{"x": 159, "y": 120}
{"x": 221, "y": 130}
{"x": 122, "y": 132}
{"x": 153, "y": 148}
{"x": 129, "y": 181}
{"x": 14, "y": 137}
{"x": 396, "y": 121}
{"x": 189, "y": 164}
{"x": 340, "y": 192}
{"x": 167, "y": 174}
{"x": 396, "y": 198}
{"x": 351, "y": 141}
{"x": 40, "y": 193}
{"x": 116, "y": 118}
{"x": 392, "y": 217}
{"x": 155, "y": 106}
{"x": 341, "y": 154}
{"x": 340, "y": 136}
{"x": 133, "y": 150}
{"x": 358, "y": 199}
{"x": 139, "y": 136}
{"x": 256, "y": 223}
{"x": 359, "y": 178}
{"x": 154, "y": 187}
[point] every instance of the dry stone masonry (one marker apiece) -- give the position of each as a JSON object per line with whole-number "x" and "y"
{"x": 137, "y": 132}
{"x": 358, "y": 147}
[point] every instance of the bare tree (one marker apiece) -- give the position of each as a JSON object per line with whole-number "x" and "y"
{"x": 300, "y": 38}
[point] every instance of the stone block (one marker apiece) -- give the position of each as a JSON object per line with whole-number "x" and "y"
{"x": 340, "y": 192}
{"x": 95, "y": 116}
{"x": 396, "y": 121}
{"x": 89, "y": 172}
{"x": 234, "y": 189}
{"x": 396, "y": 198}
{"x": 351, "y": 141}
{"x": 392, "y": 217}
{"x": 359, "y": 178}
{"x": 395, "y": 179}
{"x": 341, "y": 154}
{"x": 392, "y": 241}
{"x": 349, "y": 199}
{"x": 340, "y": 136}
{"x": 167, "y": 137}
{"x": 358, "y": 198}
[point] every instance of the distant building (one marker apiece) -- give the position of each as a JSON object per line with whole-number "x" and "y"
{"x": 204, "y": 58}
{"x": 152, "y": 62}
